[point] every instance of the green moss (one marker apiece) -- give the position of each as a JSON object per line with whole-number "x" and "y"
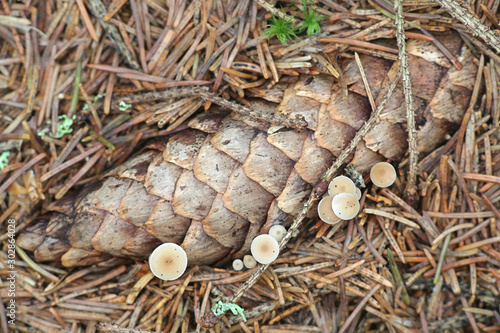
{"x": 123, "y": 106}
{"x": 63, "y": 127}
{"x": 4, "y": 159}
{"x": 282, "y": 28}
{"x": 311, "y": 21}
{"x": 220, "y": 308}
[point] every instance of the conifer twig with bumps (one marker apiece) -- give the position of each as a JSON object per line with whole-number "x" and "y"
{"x": 276, "y": 12}
{"x": 298, "y": 122}
{"x": 411, "y": 184}
{"x": 461, "y": 14}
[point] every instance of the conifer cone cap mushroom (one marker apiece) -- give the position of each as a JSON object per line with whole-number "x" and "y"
{"x": 345, "y": 206}
{"x": 383, "y": 174}
{"x": 278, "y": 232}
{"x": 358, "y": 193}
{"x": 265, "y": 249}
{"x": 341, "y": 184}
{"x": 237, "y": 264}
{"x": 168, "y": 261}
{"x": 249, "y": 261}
{"x": 325, "y": 211}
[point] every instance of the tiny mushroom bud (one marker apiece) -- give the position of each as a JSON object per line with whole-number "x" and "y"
{"x": 249, "y": 261}
{"x": 358, "y": 193}
{"x": 383, "y": 174}
{"x": 265, "y": 249}
{"x": 278, "y": 232}
{"x": 237, "y": 264}
{"x": 345, "y": 206}
{"x": 325, "y": 211}
{"x": 168, "y": 261}
{"x": 341, "y": 184}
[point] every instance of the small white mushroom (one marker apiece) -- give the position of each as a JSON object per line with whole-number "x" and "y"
{"x": 383, "y": 174}
{"x": 265, "y": 249}
{"x": 168, "y": 261}
{"x": 325, "y": 211}
{"x": 237, "y": 264}
{"x": 249, "y": 261}
{"x": 358, "y": 194}
{"x": 278, "y": 232}
{"x": 341, "y": 184}
{"x": 345, "y": 206}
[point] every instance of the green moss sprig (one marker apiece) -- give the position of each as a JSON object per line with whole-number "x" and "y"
{"x": 311, "y": 21}
{"x": 284, "y": 28}
{"x": 4, "y": 159}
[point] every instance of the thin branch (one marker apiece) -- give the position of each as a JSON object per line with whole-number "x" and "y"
{"x": 362, "y": 131}
{"x": 472, "y": 22}
{"x": 410, "y": 193}
{"x": 387, "y": 10}
{"x": 276, "y": 12}
{"x": 298, "y": 123}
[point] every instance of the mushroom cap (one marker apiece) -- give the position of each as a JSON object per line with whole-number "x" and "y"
{"x": 168, "y": 261}
{"x": 341, "y": 184}
{"x": 237, "y": 264}
{"x": 265, "y": 249}
{"x": 383, "y": 174}
{"x": 358, "y": 193}
{"x": 345, "y": 206}
{"x": 325, "y": 211}
{"x": 278, "y": 232}
{"x": 249, "y": 261}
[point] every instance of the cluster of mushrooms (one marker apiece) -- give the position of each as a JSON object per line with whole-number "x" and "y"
{"x": 342, "y": 202}
{"x": 169, "y": 261}
{"x": 265, "y": 249}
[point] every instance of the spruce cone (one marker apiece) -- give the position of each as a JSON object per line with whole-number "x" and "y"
{"x": 214, "y": 187}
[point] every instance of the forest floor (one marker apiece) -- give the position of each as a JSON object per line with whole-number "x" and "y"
{"x": 64, "y": 68}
